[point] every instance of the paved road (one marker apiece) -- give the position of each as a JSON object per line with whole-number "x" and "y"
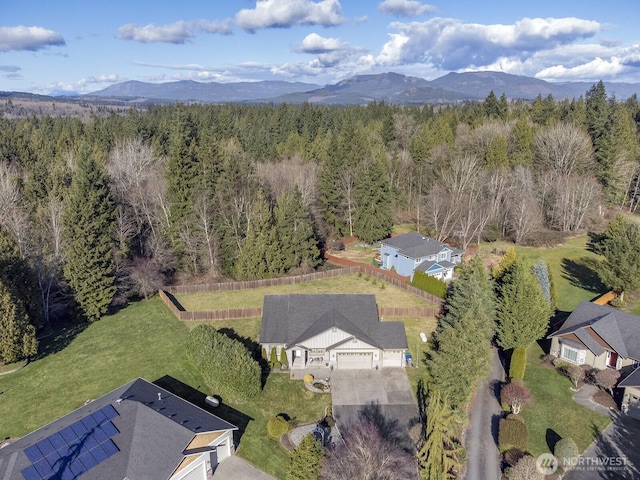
{"x": 483, "y": 458}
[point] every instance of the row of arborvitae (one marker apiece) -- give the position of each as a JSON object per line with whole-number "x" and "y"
{"x": 225, "y": 364}
{"x": 274, "y": 361}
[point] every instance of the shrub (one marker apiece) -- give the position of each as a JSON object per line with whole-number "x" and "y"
{"x": 516, "y": 396}
{"x": 565, "y": 451}
{"x": 225, "y": 364}
{"x": 512, "y": 433}
{"x": 277, "y": 426}
{"x": 518, "y": 363}
{"x": 283, "y": 357}
{"x": 512, "y": 456}
{"x": 429, "y": 284}
{"x": 607, "y": 378}
{"x": 575, "y": 373}
{"x": 618, "y": 303}
{"x": 273, "y": 358}
{"x": 264, "y": 353}
{"x": 525, "y": 469}
{"x": 561, "y": 364}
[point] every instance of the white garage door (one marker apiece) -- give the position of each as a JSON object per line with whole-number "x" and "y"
{"x": 354, "y": 360}
{"x": 392, "y": 358}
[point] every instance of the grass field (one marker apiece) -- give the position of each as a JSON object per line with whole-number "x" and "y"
{"x": 554, "y": 414}
{"x": 386, "y": 295}
{"x": 572, "y": 267}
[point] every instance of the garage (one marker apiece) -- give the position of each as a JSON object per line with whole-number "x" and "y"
{"x": 392, "y": 358}
{"x": 354, "y": 360}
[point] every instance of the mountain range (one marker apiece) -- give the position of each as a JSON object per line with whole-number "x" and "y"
{"x": 360, "y": 90}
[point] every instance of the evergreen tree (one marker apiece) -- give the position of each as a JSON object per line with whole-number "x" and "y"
{"x": 296, "y": 239}
{"x": 89, "y": 223}
{"x": 492, "y": 107}
{"x": 497, "y": 153}
{"x": 442, "y": 452}
{"x": 620, "y": 269}
{"x": 522, "y": 310}
{"x": 306, "y": 460}
{"x": 597, "y": 118}
{"x": 17, "y": 335}
{"x": 461, "y": 345}
{"x": 258, "y": 257}
{"x": 543, "y": 275}
{"x": 331, "y": 199}
{"x": 374, "y": 216}
{"x": 521, "y": 148}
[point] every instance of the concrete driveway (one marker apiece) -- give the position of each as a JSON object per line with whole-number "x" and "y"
{"x": 239, "y": 469}
{"x": 383, "y": 397}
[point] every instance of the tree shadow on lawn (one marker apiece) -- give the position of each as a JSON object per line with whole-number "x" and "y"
{"x": 583, "y": 273}
{"x": 197, "y": 398}
{"x": 58, "y": 339}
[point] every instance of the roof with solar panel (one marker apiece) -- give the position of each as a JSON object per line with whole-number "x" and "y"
{"x": 137, "y": 431}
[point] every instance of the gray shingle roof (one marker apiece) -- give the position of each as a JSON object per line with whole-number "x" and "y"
{"x": 415, "y": 245}
{"x": 292, "y": 319}
{"x": 152, "y": 433}
{"x": 620, "y": 330}
{"x": 631, "y": 380}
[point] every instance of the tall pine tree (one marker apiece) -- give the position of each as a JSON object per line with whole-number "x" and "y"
{"x": 89, "y": 225}
{"x": 258, "y": 257}
{"x": 374, "y": 215}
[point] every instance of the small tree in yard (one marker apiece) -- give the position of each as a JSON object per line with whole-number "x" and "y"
{"x": 273, "y": 358}
{"x": 306, "y": 460}
{"x": 513, "y": 433}
{"x": 575, "y": 373}
{"x": 526, "y": 469}
{"x": 283, "y": 357}
{"x": 607, "y": 378}
{"x": 516, "y": 396}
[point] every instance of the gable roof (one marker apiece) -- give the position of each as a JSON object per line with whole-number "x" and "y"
{"x": 292, "y": 319}
{"x": 415, "y": 245}
{"x": 602, "y": 328}
{"x": 152, "y": 428}
{"x": 631, "y": 380}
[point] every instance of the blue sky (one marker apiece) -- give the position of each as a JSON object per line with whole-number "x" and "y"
{"x": 80, "y": 46}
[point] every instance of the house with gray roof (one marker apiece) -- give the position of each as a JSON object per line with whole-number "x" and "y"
{"x": 138, "y": 431}
{"x": 602, "y": 337}
{"x": 341, "y": 331}
{"x": 412, "y": 251}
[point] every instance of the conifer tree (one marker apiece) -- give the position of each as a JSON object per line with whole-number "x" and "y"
{"x": 17, "y": 335}
{"x": 374, "y": 216}
{"x": 523, "y": 312}
{"x": 296, "y": 239}
{"x": 620, "y": 269}
{"x": 259, "y": 256}
{"x": 442, "y": 451}
{"x": 306, "y": 460}
{"x": 89, "y": 223}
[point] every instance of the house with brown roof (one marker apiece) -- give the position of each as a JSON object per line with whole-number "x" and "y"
{"x": 603, "y": 337}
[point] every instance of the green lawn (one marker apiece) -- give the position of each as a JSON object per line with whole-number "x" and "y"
{"x": 554, "y": 414}
{"x": 386, "y": 295}
{"x": 571, "y": 265}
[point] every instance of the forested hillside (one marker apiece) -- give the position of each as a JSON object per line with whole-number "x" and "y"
{"x": 109, "y": 208}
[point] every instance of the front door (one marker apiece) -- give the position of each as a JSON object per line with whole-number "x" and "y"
{"x": 612, "y": 359}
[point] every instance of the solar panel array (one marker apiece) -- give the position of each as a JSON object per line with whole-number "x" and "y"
{"x": 78, "y": 448}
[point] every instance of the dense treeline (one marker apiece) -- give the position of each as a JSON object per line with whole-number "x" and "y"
{"x": 113, "y": 207}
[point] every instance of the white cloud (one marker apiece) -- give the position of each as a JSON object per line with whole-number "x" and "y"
{"x": 28, "y": 38}
{"x": 314, "y": 43}
{"x": 452, "y": 45}
{"x": 286, "y": 13}
{"x": 178, "y": 32}
{"x": 405, "y": 8}
{"x": 594, "y": 70}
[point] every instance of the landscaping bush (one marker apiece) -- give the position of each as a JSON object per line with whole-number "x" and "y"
{"x": 518, "y": 363}
{"x": 565, "y": 451}
{"x": 277, "y": 426}
{"x": 225, "y": 364}
{"x": 429, "y": 284}
{"x": 576, "y": 373}
{"x": 607, "y": 378}
{"x": 273, "y": 358}
{"x": 516, "y": 396}
{"x": 283, "y": 357}
{"x": 513, "y": 433}
{"x": 512, "y": 456}
{"x": 525, "y": 469}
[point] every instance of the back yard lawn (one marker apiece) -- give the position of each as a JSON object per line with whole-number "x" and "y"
{"x": 554, "y": 414}
{"x": 386, "y": 295}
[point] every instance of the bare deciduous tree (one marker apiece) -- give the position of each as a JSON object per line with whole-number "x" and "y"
{"x": 564, "y": 148}
{"x": 575, "y": 197}
{"x": 522, "y": 210}
{"x": 366, "y": 455}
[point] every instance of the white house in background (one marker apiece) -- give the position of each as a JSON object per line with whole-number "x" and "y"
{"x": 412, "y": 251}
{"x": 330, "y": 331}
{"x": 603, "y": 337}
{"x": 138, "y": 431}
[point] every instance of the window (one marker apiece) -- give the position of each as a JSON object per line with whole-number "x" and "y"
{"x": 443, "y": 255}
{"x": 573, "y": 354}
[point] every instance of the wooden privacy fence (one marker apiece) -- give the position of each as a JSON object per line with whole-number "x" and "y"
{"x": 350, "y": 268}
